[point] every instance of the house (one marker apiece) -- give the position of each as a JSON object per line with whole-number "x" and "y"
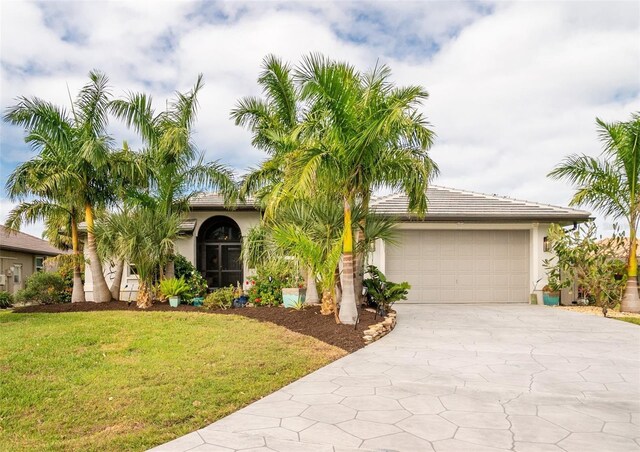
{"x": 470, "y": 247}
{"x": 21, "y": 255}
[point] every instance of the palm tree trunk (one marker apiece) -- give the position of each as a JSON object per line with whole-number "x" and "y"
{"x": 101, "y": 293}
{"x": 348, "y": 307}
{"x": 170, "y": 270}
{"x": 77, "y": 294}
{"x": 144, "y": 295}
{"x": 630, "y": 300}
{"x": 117, "y": 280}
{"x": 361, "y": 255}
{"x": 312, "y": 288}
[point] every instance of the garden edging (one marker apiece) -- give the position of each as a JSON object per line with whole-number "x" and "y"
{"x": 379, "y": 330}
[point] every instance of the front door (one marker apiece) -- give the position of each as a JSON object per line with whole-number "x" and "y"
{"x": 222, "y": 265}
{"x": 218, "y": 253}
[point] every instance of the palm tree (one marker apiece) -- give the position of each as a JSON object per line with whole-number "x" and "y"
{"x": 146, "y": 237}
{"x": 273, "y": 121}
{"x": 361, "y": 133}
{"x": 55, "y": 215}
{"x": 611, "y": 185}
{"x": 177, "y": 171}
{"x": 76, "y": 157}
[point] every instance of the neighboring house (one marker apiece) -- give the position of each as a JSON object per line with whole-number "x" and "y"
{"x": 470, "y": 247}
{"x": 21, "y": 255}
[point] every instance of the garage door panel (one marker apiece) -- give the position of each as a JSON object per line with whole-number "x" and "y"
{"x": 445, "y": 266}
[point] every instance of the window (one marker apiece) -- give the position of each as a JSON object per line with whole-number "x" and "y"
{"x": 39, "y": 263}
{"x": 132, "y": 271}
{"x": 17, "y": 273}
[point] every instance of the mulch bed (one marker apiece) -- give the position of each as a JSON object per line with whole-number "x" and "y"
{"x": 308, "y": 321}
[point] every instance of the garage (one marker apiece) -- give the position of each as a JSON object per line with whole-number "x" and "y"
{"x": 462, "y": 266}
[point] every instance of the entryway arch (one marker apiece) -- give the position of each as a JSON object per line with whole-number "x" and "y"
{"x": 219, "y": 244}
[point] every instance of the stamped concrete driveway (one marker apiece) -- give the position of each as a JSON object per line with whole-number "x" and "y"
{"x": 457, "y": 378}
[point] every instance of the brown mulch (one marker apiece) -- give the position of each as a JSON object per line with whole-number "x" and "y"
{"x": 308, "y": 321}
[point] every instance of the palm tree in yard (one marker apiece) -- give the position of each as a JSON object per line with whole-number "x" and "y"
{"x": 361, "y": 133}
{"x": 611, "y": 185}
{"x": 176, "y": 169}
{"x": 56, "y": 215}
{"x": 74, "y": 165}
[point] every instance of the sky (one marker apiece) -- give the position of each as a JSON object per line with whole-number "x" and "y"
{"x": 514, "y": 86}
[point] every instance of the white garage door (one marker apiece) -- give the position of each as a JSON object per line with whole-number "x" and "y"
{"x": 461, "y": 266}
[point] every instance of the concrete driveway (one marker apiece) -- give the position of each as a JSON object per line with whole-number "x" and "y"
{"x": 457, "y": 378}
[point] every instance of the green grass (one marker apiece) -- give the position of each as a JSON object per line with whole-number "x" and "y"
{"x": 635, "y": 320}
{"x": 130, "y": 381}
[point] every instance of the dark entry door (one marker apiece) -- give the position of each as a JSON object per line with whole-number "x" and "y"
{"x": 218, "y": 253}
{"x": 222, "y": 265}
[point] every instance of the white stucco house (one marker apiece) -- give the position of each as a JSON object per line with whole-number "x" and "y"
{"x": 470, "y": 247}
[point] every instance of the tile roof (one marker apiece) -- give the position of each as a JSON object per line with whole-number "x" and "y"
{"x": 216, "y": 201}
{"x": 448, "y": 204}
{"x": 13, "y": 240}
{"x": 444, "y": 204}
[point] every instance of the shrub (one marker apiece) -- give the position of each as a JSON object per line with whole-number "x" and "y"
{"x": 63, "y": 265}
{"x": 265, "y": 289}
{"x": 220, "y": 298}
{"x": 173, "y": 287}
{"x": 194, "y": 279}
{"x": 384, "y": 293}
{"x": 43, "y": 288}
{"x": 6, "y": 300}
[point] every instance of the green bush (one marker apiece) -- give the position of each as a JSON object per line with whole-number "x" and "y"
{"x": 64, "y": 265}
{"x": 43, "y": 288}
{"x": 6, "y": 300}
{"x": 384, "y": 293}
{"x": 265, "y": 289}
{"x": 173, "y": 287}
{"x": 194, "y": 279}
{"x": 220, "y": 298}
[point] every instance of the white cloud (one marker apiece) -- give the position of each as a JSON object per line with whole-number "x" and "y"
{"x": 514, "y": 86}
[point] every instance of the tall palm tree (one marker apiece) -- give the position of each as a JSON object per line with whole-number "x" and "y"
{"x": 176, "y": 169}
{"x": 272, "y": 120}
{"x": 76, "y": 157}
{"x": 361, "y": 133}
{"x": 55, "y": 215}
{"x": 611, "y": 185}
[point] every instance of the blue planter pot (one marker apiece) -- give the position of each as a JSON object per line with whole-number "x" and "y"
{"x": 291, "y": 297}
{"x": 551, "y": 299}
{"x": 197, "y": 301}
{"x": 174, "y": 301}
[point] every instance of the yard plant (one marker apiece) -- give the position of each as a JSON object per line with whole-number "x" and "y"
{"x": 611, "y": 184}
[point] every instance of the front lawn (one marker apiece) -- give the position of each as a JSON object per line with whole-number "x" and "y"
{"x": 629, "y": 319}
{"x": 130, "y": 381}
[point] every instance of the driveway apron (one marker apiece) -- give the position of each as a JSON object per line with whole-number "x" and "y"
{"x": 456, "y": 378}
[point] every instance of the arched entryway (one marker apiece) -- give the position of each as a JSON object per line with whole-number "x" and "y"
{"x": 219, "y": 244}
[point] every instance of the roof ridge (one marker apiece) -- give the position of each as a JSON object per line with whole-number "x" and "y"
{"x": 512, "y": 200}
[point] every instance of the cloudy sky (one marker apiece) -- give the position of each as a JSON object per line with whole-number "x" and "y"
{"x": 514, "y": 86}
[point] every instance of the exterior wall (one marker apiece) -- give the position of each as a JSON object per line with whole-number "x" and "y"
{"x": 185, "y": 246}
{"x": 7, "y": 261}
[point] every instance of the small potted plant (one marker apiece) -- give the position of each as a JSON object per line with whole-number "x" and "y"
{"x": 173, "y": 289}
{"x": 551, "y": 291}
{"x": 294, "y": 292}
{"x": 239, "y": 298}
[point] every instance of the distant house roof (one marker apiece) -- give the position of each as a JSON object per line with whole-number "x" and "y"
{"x": 448, "y": 204}
{"x": 444, "y": 204}
{"x": 13, "y": 240}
